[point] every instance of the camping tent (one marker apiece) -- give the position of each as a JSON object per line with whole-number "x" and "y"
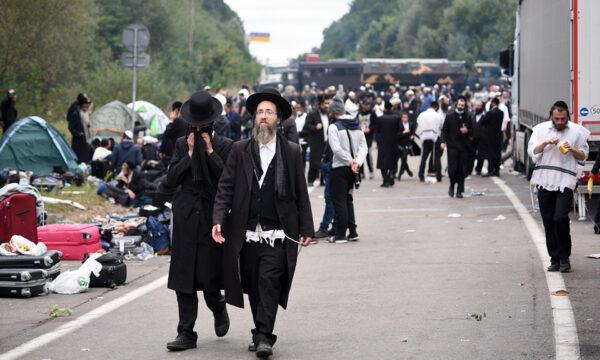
{"x": 153, "y": 116}
{"x": 32, "y": 144}
{"x": 111, "y": 120}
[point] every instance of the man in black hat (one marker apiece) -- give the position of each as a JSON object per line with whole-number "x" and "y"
{"x": 315, "y": 130}
{"x": 456, "y": 137}
{"x": 263, "y": 210}
{"x": 196, "y": 261}
{"x": 78, "y": 127}
{"x": 8, "y": 111}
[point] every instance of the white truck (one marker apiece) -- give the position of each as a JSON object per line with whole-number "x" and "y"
{"x": 556, "y": 57}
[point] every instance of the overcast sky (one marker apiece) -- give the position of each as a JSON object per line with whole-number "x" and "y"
{"x": 296, "y": 26}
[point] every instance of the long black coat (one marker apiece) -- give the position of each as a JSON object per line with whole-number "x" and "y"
{"x": 314, "y": 137}
{"x": 388, "y": 127}
{"x": 174, "y": 131}
{"x": 232, "y": 206}
{"x": 289, "y": 130}
{"x": 8, "y": 113}
{"x": 490, "y": 134}
{"x": 192, "y": 221}
{"x": 79, "y": 143}
{"x": 451, "y": 134}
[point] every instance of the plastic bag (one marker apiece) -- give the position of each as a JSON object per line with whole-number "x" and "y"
{"x": 26, "y": 247}
{"x": 77, "y": 281}
{"x": 7, "y": 250}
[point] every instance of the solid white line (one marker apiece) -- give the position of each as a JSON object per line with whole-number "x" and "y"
{"x": 83, "y": 320}
{"x": 565, "y": 329}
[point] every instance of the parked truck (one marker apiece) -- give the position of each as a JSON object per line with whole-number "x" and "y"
{"x": 555, "y": 57}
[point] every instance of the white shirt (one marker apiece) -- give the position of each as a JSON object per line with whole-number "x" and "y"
{"x": 300, "y": 121}
{"x": 267, "y": 152}
{"x": 378, "y": 109}
{"x": 429, "y": 125}
{"x": 325, "y": 122}
{"x": 553, "y": 169}
{"x": 100, "y": 153}
{"x": 478, "y": 117}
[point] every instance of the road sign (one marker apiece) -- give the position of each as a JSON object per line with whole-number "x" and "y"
{"x": 143, "y": 37}
{"x": 143, "y": 60}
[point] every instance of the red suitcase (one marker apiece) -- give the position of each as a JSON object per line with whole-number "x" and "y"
{"x": 18, "y": 217}
{"x": 73, "y": 240}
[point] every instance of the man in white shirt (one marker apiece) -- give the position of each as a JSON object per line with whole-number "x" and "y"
{"x": 101, "y": 151}
{"x": 557, "y": 147}
{"x": 429, "y": 126}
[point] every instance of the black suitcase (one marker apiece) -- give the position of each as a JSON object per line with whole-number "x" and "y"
{"x": 50, "y": 262}
{"x": 23, "y": 282}
{"x": 113, "y": 273}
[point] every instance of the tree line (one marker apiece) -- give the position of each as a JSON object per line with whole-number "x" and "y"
{"x": 468, "y": 30}
{"x": 52, "y": 50}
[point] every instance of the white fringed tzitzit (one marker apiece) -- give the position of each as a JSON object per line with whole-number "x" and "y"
{"x": 264, "y": 236}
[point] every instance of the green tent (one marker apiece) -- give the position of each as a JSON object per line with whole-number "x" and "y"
{"x": 111, "y": 120}
{"x": 32, "y": 144}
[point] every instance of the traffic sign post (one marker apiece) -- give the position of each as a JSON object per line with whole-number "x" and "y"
{"x": 136, "y": 38}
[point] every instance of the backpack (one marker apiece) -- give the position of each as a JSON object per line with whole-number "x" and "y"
{"x": 158, "y": 234}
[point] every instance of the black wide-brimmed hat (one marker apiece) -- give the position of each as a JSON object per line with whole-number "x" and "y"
{"x": 201, "y": 108}
{"x": 272, "y": 95}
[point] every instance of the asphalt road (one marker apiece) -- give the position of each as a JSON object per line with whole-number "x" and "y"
{"x": 418, "y": 285}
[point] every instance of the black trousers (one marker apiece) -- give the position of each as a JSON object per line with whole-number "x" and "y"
{"x": 263, "y": 268}
{"x": 494, "y": 163}
{"x": 435, "y": 159}
{"x": 554, "y": 208}
{"x": 479, "y": 165}
{"x": 458, "y": 163}
{"x": 188, "y": 310}
{"x": 341, "y": 185}
{"x": 403, "y": 162}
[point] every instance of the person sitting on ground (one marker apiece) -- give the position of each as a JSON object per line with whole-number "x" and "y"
{"x": 131, "y": 180}
{"x": 102, "y": 151}
{"x": 126, "y": 151}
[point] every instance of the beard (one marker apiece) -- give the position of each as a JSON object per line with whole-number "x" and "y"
{"x": 264, "y": 132}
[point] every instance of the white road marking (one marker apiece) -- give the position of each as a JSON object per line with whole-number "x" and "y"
{"x": 83, "y": 320}
{"x": 565, "y": 329}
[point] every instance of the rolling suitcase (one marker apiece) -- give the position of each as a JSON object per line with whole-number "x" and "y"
{"x": 23, "y": 282}
{"x": 113, "y": 273}
{"x": 18, "y": 217}
{"x": 49, "y": 262}
{"x": 73, "y": 240}
{"x": 134, "y": 240}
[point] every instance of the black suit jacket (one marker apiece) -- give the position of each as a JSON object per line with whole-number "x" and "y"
{"x": 174, "y": 131}
{"x": 232, "y": 207}
{"x": 314, "y": 137}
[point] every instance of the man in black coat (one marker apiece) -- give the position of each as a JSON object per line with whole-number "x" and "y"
{"x": 289, "y": 131}
{"x": 77, "y": 128}
{"x": 455, "y": 136}
{"x": 262, "y": 212}
{"x": 174, "y": 130}
{"x": 315, "y": 131}
{"x": 490, "y": 143}
{"x": 387, "y": 128}
{"x": 8, "y": 111}
{"x": 196, "y": 261}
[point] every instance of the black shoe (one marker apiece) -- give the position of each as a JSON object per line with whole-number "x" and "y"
{"x": 252, "y": 347}
{"x": 385, "y": 184}
{"x": 331, "y": 232}
{"x": 320, "y": 234}
{"x": 596, "y": 229}
{"x": 421, "y": 179}
{"x": 451, "y": 191}
{"x": 565, "y": 267}
{"x": 486, "y": 175}
{"x": 459, "y": 195}
{"x": 478, "y": 173}
{"x": 338, "y": 240}
{"x": 393, "y": 181}
{"x": 180, "y": 343}
{"x": 410, "y": 173}
{"x": 264, "y": 350}
{"x": 553, "y": 267}
{"x": 439, "y": 179}
{"x": 353, "y": 237}
{"x": 222, "y": 323}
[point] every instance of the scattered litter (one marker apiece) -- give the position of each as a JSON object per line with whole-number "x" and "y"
{"x": 589, "y": 319}
{"x": 522, "y": 284}
{"x": 374, "y": 190}
{"x": 60, "y": 312}
{"x": 464, "y": 340}
{"x": 500, "y": 218}
{"x": 404, "y": 340}
{"x": 77, "y": 281}
{"x": 512, "y": 172}
{"x": 476, "y": 316}
{"x": 478, "y": 192}
{"x": 594, "y": 256}
{"x": 49, "y": 200}
{"x": 410, "y": 231}
{"x": 479, "y": 220}
{"x": 560, "y": 293}
{"x": 430, "y": 180}
{"x": 454, "y": 215}
{"x": 85, "y": 349}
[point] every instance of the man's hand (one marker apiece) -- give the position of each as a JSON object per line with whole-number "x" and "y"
{"x": 217, "y": 235}
{"x": 190, "y": 142}
{"x": 552, "y": 141}
{"x": 366, "y": 130}
{"x": 354, "y": 166}
{"x": 443, "y": 146}
{"x": 464, "y": 130}
{"x": 130, "y": 193}
{"x": 305, "y": 240}
{"x": 319, "y": 126}
{"x": 208, "y": 143}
